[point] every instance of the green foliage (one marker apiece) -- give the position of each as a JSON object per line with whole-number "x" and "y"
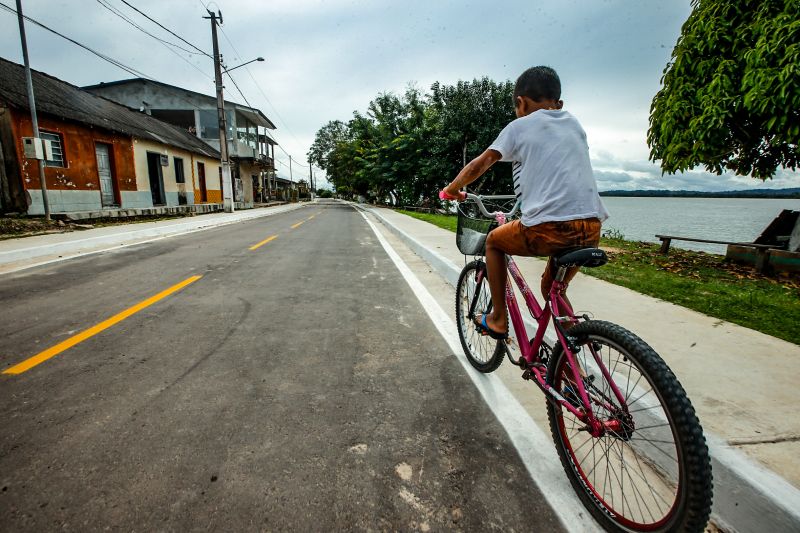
{"x": 404, "y": 149}
{"x": 731, "y": 93}
{"x": 448, "y": 222}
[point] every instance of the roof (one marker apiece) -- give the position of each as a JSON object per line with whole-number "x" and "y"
{"x": 267, "y": 123}
{"x": 66, "y": 101}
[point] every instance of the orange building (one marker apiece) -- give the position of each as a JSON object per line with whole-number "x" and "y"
{"x": 104, "y": 155}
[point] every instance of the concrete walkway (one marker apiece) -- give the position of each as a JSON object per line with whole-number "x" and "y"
{"x": 741, "y": 382}
{"x": 24, "y": 252}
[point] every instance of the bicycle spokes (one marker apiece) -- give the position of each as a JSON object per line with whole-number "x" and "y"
{"x": 473, "y": 298}
{"x": 626, "y": 453}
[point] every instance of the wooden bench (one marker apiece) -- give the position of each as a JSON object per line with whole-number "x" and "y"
{"x": 762, "y": 250}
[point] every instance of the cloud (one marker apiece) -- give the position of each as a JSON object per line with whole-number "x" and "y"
{"x": 325, "y": 59}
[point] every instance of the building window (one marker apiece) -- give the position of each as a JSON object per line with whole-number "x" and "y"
{"x": 209, "y": 124}
{"x": 179, "y": 170}
{"x": 58, "y": 149}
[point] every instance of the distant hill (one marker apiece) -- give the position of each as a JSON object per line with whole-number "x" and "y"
{"x": 793, "y": 192}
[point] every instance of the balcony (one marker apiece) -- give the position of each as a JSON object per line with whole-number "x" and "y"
{"x": 242, "y": 150}
{"x": 266, "y": 162}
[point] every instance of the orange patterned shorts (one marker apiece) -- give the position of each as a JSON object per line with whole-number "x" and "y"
{"x": 546, "y": 239}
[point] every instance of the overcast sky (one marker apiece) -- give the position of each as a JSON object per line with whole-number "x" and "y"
{"x": 325, "y": 59}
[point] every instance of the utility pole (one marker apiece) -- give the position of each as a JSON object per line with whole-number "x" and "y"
{"x": 310, "y": 178}
{"x": 227, "y": 189}
{"x": 291, "y": 179}
{"x": 32, "y": 104}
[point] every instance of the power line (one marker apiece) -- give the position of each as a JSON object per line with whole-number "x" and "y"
{"x": 238, "y": 89}
{"x": 236, "y": 85}
{"x": 258, "y": 86}
{"x": 164, "y": 43}
{"x": 117, "y": 12}
{"x": 148, "y": 17}
{"x": 104, "y": 57}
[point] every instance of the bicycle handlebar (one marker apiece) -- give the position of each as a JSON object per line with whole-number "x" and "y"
{"x": 479, "y": 201}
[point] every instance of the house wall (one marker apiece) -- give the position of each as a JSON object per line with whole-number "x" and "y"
{"x": 213, "y": 181}
{"x": 13, "y": 194}
{"x": 246, "y": 171}
{"x": 172, "y": 188}
{"x": 75, "y": 187}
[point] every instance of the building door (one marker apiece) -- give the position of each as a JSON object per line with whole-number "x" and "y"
{"x": 156, "y": 178}
{"x": 102, "y": 152}
{"x": 201, "y": 178}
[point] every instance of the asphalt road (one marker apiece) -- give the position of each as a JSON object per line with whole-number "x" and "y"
{"x": 295, "y": 386}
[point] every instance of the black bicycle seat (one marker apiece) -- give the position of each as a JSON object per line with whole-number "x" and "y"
{"x": 583, "y": 257}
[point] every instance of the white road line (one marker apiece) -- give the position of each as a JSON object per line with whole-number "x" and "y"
{"x": 535, "y": 448}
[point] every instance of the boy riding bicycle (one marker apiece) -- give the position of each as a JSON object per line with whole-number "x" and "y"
{"x": 561, "y": 208}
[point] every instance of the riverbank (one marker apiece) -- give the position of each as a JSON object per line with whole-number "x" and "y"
{"x": 700, "y": 281}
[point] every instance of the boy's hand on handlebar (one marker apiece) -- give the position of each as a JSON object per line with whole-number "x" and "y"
{"x": 460, "y": 196}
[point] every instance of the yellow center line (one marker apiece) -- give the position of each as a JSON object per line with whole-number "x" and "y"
{"x": 262, "y": 243}
{"x": 94, "y": 330}
{"x": 312, "y": 216}
{"x": 294, "y": 226}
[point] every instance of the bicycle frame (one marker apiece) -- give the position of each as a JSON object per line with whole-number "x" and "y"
{"x": 559, "y": 310}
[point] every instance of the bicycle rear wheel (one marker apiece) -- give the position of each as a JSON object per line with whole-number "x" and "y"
{"x": 649, "y": 470}
{"x": 473, "y": 297}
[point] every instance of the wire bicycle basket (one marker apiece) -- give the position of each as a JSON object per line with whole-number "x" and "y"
{"x": 472, "y": 229}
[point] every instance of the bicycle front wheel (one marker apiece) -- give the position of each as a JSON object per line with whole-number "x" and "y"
{"x": 473, "y": 297}
{"x": 649, "y": 468}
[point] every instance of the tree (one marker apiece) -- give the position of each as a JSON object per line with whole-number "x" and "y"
{"x": 469, "y": 116}
{"x": 731, "y": 92}
{"x": 405, "y": 148}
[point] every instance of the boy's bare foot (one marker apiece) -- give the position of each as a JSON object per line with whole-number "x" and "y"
{"x": 487, "y": 324}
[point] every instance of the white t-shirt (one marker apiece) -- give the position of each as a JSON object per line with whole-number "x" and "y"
{"x": 550, "y": 164}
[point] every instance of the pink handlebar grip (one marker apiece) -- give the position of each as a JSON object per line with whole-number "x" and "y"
{"x": 444, "y": 196}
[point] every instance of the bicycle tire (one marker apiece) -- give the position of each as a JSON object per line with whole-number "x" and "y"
{"x": 690, "y": 476}
{"x": 483, "y": 353}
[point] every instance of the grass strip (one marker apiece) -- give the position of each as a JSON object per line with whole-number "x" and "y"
{"x": 695, "y": 280}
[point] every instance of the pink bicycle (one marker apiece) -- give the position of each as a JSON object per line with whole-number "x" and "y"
{"x": 626, "y": 433}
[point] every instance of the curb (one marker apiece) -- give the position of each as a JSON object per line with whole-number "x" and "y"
{"x": 103, "y": 243}
{"x": 747, "y": 496}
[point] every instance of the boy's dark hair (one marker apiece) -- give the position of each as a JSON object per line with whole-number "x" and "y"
{"x": 538, "y": 83}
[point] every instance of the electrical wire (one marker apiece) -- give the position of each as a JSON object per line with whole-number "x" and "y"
{"x": 258, "y": 86}
{"x": 236, "y": 85}
{"x": 164, "y": 43}
{"x": 102, "y": 56}
{"x": 131, "y": 70}
{"x": 266, "y": 98}
{"x": 238, "y": 89}
{"x": 106, "y": 4}
{"x": 148, "y": 17}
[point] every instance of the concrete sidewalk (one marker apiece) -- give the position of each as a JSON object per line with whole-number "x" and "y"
{"x": 741, "y": 382}
{"x": 25, "y": 252}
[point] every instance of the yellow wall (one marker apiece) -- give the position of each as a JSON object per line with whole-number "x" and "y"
{"x": 140, "y": 149}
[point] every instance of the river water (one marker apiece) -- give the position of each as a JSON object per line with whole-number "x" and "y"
{"x": 722, "y": 219}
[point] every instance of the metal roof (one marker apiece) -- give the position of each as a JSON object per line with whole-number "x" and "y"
{"x": 60, "y": 99}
